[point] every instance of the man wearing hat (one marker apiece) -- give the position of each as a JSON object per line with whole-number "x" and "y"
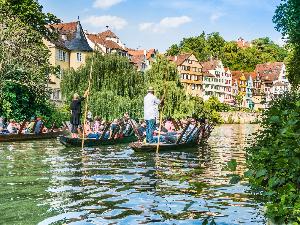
{"x": 151, "y": 103}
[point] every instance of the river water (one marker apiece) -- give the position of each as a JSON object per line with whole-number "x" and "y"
{"x": 43, "y": 182}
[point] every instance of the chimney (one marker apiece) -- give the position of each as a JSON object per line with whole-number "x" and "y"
{"x": 176, "y": 57}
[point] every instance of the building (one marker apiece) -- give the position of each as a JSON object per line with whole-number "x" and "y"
{"x": 107, "y": 42}
{"x": 271, "y": 80}
{"x": 217, "y": 81}
{"x": 190, "y": 71}
{"x": 249, "y": 90}
{"x": 240, "y": 85}
{"x": 142, "y": 59}
{"x": 69, "y": 50}
{"x": 241, "y": 43}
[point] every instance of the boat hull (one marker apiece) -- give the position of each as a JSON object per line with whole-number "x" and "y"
{"x": 89, "y": 142}
{"x": 30, "y": 137}
{"x": 141, "y": 147}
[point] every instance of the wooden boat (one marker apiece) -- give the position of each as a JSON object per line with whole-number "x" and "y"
{"x": 142, "y": 147}
{"x": 30, "y": 137}
{"x": 197, "y": 134}
{"x": 91, "y": 142}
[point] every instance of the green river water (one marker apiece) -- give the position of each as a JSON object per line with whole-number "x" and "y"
{"x": 43, "y": 182}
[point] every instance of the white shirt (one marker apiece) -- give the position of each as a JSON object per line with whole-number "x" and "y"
{"x": 151, "y": 103}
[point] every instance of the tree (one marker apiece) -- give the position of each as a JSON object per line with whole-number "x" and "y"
{"x": 31, "y": 13}
{"x": 116, "y": 86}
{"x": 215, "y": 44}
{"x": 24, "y": 64}
{"x": 173, "y": 50}
{"x": 287, "y": 21}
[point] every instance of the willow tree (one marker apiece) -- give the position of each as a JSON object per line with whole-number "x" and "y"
{"x": 164, "y": 77}
{"x": 116, "y": 86}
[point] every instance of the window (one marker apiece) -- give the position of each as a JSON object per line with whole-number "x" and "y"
{"x": 199, "y": 70}
{"x": 188, "y": 68}
{"x": 61, "y": 55}
{"x": 79, "y": 57}
{"x": 193, "y": 86}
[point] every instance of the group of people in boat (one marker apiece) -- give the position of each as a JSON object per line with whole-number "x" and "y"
{"x": 35, "y": 126}
{"x": 149, "y": 130}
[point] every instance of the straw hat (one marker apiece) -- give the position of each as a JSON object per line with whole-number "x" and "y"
{"x": 150, "y": 89}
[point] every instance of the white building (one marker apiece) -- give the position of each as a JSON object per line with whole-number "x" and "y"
{"x": 217, "y": 81}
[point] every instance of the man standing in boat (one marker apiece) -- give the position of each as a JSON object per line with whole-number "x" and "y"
{"x": 151, "y": 103}
{"x": 76, "y": 113}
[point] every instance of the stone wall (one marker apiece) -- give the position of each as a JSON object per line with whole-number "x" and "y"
{"x": 240, "y": 117}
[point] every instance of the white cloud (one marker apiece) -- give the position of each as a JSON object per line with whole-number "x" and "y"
{"x": 216, "y": 16}
{"x": 165, "y": 23}
{"x": 105, "y": 4}
{"x": 102, "y": 21}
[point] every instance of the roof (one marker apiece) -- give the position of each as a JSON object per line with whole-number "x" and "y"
{"x": 269, "y": 71}
{"x": 108, "y": 34}
{"x": 210, "y": 65}
{"x": 179, "y": 59}
{"x": 102, "y": 39}
{"x": 71, "y": 36}
{"x": 252, "y": 74}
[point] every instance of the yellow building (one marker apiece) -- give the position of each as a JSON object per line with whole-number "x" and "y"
{"x": 190, "y": 71}
{"x": 70, "y": 50}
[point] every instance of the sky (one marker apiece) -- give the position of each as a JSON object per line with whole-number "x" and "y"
{"x": 160, "y": 23}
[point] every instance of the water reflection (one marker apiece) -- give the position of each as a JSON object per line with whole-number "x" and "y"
{"x": 46, "y": 183}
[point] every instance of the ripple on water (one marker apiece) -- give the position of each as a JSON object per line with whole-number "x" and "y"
{"x": 114, "y": 185}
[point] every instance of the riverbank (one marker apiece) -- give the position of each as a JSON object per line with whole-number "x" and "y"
{"x": 240, "y": 117}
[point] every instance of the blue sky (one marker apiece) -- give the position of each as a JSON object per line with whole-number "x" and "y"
{"x": 161, "y": 23}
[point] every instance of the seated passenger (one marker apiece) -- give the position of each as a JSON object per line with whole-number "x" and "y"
{"x": 97, "y": 124}
{"x": 12, "y": 127}
{"x": 39, "y": 126}
{"x": 169, "y": 125}
{"x": 113, "y": 128}
{"x": 2, "y": 126}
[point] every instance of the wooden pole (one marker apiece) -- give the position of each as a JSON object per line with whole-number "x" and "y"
{"x": 161, "y": 113}
{"x": 160, "y": 124}
{"x": 87, "y": 101}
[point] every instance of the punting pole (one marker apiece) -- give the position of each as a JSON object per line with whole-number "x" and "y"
{"x": 87, "y": 101}
{"x": 161, "y": 113}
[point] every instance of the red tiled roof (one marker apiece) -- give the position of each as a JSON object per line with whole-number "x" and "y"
{"x": 98, "y": 39}
{"x": 269, "y": 71}
{"x": 64, "y": 27}
{"x": 179, "y": 59}
{"x": 210, "y": 65}
{"x": 107, "y": 33}
{"x": 135, "y": 52}
{"x": 138, "y": 60}
{"x": 150, "y": 52}
{"x": 252, "y": 74}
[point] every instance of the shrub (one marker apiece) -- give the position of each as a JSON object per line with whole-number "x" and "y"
{"x": 274, "y": 159}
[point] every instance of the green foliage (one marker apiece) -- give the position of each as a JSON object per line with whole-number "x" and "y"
{"x": 287, "y": 21}
{"x": 24, "y": 64}
{"x": 117, "y": 87}
{"x": 31, "y": 13}
{"x": 274, "y": 159}
{"x": 213, "y": 45}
